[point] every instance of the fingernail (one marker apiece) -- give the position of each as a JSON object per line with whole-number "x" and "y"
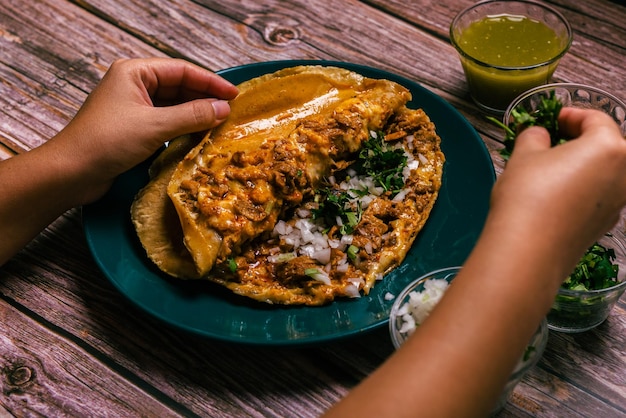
{"x": 221, "y": 109}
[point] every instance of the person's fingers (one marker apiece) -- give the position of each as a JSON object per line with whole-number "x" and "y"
{"x": 574, "y": 122}
{"x": 199, "y": 81}
{"x": 179, "y": 80}
{"x": 221, "y": 110}
{"x": 530, "y": 139}
{"x": 194, "y": 116}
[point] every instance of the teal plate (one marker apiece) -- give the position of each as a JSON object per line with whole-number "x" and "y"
{"x": 212, "y": 311}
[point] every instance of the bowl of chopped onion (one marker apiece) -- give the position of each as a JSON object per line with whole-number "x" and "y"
{"x": 588, "y": 295}
{"x": 413, "y": 305}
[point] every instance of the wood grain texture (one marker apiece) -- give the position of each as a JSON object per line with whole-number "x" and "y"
{"x": 44, "y": 374}
{"x": 70, "y": 345}
{"x": 53, "y": 55}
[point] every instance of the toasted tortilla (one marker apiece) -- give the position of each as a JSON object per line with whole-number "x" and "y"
{"x": 155, "y": 219}
{"x": 213, "y": 214}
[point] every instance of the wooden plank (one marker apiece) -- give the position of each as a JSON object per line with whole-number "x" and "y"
{"x": 75, "y": 297}
{"x": 292, "y": 29}
{"x": 607, "y": 17}
{"x": 289, "y": 31}
{"x": 50, "y": 63}
{"x": 53, "y": 79}
{"x": 44, "y": 374}
{"x": 297, "y": 29}
{"x": 29, "y": 115}
{"x": 601, "y": 350}
{"x": 206, "y": 377}
{"x": 569, "y": 384}
{"x": 599, "y": 32}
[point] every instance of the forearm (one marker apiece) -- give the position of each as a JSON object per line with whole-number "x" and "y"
{"x": 458, "y": 361}
{"x": 36, "y": 188}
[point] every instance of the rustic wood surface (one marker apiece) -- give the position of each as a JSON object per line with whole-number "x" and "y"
{"x": 71, "y": 345}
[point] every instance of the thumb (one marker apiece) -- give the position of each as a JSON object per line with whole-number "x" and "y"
{"x": 531, "y": 139}
{"x": 193, "y": 116}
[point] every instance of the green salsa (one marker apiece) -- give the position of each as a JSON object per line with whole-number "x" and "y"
{"x": 505, "y": 55}
{"x": 510, "y": 41}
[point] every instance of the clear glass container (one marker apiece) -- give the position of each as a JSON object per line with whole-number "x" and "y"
{"x": 532, "y": 354}
{"x": 493, "y": 80}
{"x": 579, "y": 310}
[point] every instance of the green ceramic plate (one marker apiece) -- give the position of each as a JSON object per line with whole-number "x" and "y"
{"x": 209, "y": 310}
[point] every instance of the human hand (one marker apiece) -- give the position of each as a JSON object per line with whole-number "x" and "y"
{"x": 138, "y": 105}
{"x": 571, "y": 193}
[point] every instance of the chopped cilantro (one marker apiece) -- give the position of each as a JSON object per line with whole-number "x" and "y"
{"x": 594, "y": 271}
{"x": 335, "y": 204}
{"x": 377, "y": 160}
{"x": 232, "y": 265}
{"x": 546, "y": 115}
{"x": 382, "y": 162}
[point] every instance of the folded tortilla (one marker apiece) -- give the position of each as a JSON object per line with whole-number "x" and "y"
{"x": 155, "y": 219}
{"x": 286, "y": 131}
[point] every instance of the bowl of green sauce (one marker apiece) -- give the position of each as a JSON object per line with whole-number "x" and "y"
{"x": 507, "y": 48}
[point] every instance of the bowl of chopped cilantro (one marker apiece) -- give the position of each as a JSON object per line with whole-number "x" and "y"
{"x": 541, "y": 105}
{"x": 588, "y": 295}
{"x": 412, "y": 306}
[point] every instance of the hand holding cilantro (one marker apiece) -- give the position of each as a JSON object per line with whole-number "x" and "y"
{"x": 595, "y": 270}
{"x": 546, "y": 115}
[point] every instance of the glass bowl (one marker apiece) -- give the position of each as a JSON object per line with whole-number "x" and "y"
{"x": 581, "y": 310}
{"x": 432, "y": 292}
{"x": 494, "y": 74}
{"x": 572, "y": 95}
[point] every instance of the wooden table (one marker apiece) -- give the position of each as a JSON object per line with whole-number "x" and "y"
{"x": 71, "y": 345}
